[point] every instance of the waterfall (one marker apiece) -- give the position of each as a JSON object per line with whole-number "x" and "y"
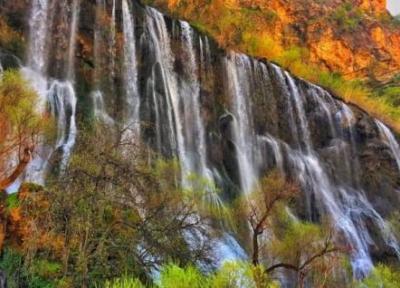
{"x": 239, "y": 77}
{"x": 347, "y": 120}
{"x": 347, "y": 207}
{"x": 130, "y": 71}
{"x": 62, "y": 100}
{"x": 174, "y": 88}
{"x": 60, "y": 95}
{"x": 38, "y": 33}
{"x": 72, "y": 43}
{"x": 113, "y": 38}
{"x": 176, "y": 100}
{"x": 303, "y": 132}
{"x": 163, "y": 76}
{"x": 99, "y": 108}
{"x": 388, "y": 137}
{"x": 195, "y": 144}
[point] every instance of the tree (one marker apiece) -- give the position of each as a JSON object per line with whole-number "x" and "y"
{"x": 296, "y": 246}
{"x": 112, "y": 213}
{"x": 20, "y": 126}
{"x": 381, "y": 276}
{"x": 306, "y": 249}
{"x": 259, "y": 207}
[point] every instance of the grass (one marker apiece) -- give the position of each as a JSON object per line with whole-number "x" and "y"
{"x": 378, "y": 103}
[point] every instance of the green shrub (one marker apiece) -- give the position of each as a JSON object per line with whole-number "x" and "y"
{"x": 382, "y": 276}
{"x": 45, "y": 269}
{"x": 124, "y": 283}
{"x": 12, "y": 201}
{"x": 173, "y": 276}
{"x": 347, "y": 17}
{"x": 18, "y": 275}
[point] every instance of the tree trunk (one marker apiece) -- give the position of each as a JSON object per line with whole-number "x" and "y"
{"x": 26, "y": 158}
{"x": 255, "y": 249}
{"x": 301, "y": 279}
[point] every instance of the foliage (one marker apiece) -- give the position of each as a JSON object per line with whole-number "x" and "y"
{"x": 125, "y": 282}
{"x": 242, "y": 274}
{"x": 247, "y": 26}
{"x": 12, "y": 201}
{"x": 308, "y": 249}
{"x": 19, "y": 275}
{"x": 382, "y": 276}
{"x": 231, "y": 274}
{"x": 112, "y": 214}
{"x": 173, "y": 276}
{"x": 347, "y": 17}
{"x": 279, "y": 241}
{"x": 380, "y": 103}
{"x": 259, "y": 207}
{"x": 20, "y": 124}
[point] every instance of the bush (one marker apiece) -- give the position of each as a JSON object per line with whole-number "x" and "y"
{"x": 347, "y": 17}
{"x": 125, "y": 282}
{"x": 382, "y": 276}
{"x": 19, "y": 275}
{"x": 231, "y": 274}
{"x": 111, "y": 214}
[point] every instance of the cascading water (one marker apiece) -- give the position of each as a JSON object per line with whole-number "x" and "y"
{"x": 130, "y": 71}
{"x": 59, "y": 94}
{"x": 391, "y": 141}
{"x": 347, "y": 207}
{"x": 99, "y": 108}
{"x": 297, "y": 98}
{"x": 179, "y": 124}
{"x": 195, "y": 145}
{"x": 169, "y": 73}
{"x": 162, "y": 85}
{"x": 62, "y": 100}
{"x": 38, "y": 34}
{"x": 182, "y": 97}
{"x": 72, "y": 44}
{"x": 239, "y": 72}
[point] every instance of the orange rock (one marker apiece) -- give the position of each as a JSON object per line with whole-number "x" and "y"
{"x": 339, "y": 38}
{"x": 374, "y": 6}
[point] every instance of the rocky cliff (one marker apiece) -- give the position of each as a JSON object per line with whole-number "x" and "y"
{"x": 226, "y": 116}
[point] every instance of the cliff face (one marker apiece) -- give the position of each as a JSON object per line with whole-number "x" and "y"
{"x": 357, "y": 38}
{"x": 357, "y": 43}
{"x": 373, "y": 6}
{"x": 245, "y": 116}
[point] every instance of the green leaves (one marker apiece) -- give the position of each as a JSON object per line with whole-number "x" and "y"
{"x": 230, "y": 275}
{"x": 382, "y": 276}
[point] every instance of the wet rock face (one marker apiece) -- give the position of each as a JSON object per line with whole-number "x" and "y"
{"x": 9, "y": 61}
{"x": 3, "y": 280}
